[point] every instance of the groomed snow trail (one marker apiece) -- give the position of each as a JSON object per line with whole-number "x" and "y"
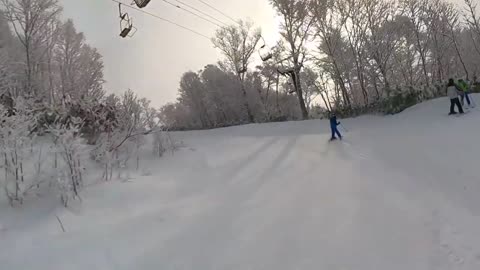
{"x": 401, "y": 192}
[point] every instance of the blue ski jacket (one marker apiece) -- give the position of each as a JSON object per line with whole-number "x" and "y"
{"x": 333, "y": 122}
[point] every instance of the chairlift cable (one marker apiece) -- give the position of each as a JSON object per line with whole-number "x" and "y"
{"x": 162, "y": 19}
{"x": 219, "y": 11}
{"x": 201, "y": 12}
{"x": 193, "y": 13}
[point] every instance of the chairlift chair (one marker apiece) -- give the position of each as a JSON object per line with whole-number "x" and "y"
{"x": 141, "y": 3}
{"x": 288, "y": 72}
{"x": 264, "y": 52}
{"x": 265, "y": 56}
{"x": 126, "y": 24}
{"x": 285, "y": 71}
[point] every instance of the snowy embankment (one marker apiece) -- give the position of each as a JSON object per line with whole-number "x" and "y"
{"x": 401, "y": 192}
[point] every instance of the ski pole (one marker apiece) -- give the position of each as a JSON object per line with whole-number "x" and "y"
{"x": 346, "y": 130}
{"x": 472, "y": 101}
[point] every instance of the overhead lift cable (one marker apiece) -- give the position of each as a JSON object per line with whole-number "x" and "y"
{"x": 163, "y": 19}
{"x": 201, "y": 12}
{"x": 219, "y": 11}
{"x": 193, "y": 13}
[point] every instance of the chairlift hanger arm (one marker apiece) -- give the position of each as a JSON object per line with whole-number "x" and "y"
{"x": 264, "y": 43}
{"x": 126, "y": 24}
{"x": 120, "y": 10}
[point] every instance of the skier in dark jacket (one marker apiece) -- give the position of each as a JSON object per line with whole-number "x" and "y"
{"x": 453, "y": 92}
{"x": 333, "y": 126}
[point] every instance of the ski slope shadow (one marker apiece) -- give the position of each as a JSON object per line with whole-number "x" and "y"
{"x": 213, "y": 232}
{"x": 248, "y": 179}
{"x": 232, "y": 173}
{"x": 276, "y": 164}
{"x": 251, "y": 183}
{"x": 265, "y": 130}
{"x": 215, "y": 182}
{"x": 281, "y": 157}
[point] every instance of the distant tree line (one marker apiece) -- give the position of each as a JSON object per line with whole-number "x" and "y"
{"x": 351, "y": 56}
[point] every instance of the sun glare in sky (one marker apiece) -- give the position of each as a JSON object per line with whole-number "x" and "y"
{"x": 153, "y": 61}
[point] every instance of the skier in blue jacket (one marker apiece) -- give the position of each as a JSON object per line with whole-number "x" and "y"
{"x": 333, "y": 126}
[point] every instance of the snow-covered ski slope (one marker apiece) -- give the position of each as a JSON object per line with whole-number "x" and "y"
{"x": 401, "y": 192}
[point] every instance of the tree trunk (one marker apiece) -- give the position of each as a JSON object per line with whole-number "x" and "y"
{"x": 424, "y": 62}
{"x": 298, "y": 89}
{"x": 245, "y": 99}
{"x": 277, "y": 83}
{"x": 459, "y": 54}
{"x": 29, "y": 70}
{"x": 245, "y": 104}
{"x": 359, "y": 69}
{"x": 329, "y": 108}
{"x": 265, "y": 104}
{"x": 341, "y": 82}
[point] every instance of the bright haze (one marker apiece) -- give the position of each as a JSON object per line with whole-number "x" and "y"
{"x": 153, "y": 60}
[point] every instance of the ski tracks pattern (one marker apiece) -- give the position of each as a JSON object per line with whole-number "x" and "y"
{"x": 458, "y": 246}
{"x": 356, "y": 151}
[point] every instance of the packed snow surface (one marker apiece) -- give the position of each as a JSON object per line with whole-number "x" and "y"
{"x": 400, "y": 192}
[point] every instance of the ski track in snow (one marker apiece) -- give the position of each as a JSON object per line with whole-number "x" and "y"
{"x": 400, "y": 192}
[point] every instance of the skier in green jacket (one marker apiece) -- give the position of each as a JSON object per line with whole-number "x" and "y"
{"x": 463, "y": 85}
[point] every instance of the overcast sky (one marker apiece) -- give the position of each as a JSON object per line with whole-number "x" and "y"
{"x": 152, "y": 62}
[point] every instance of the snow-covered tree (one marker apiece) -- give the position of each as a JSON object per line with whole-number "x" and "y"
{"x": 80, "y": 66}
{"x": 472, "y": 17}
{"x": 238, "y": 43}
{"x": 192, "y": 93}
{"x": 296, "y": 30}
{"x": 31, "y": 21}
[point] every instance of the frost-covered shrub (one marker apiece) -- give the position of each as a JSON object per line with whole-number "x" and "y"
{"x": 20, "y": 155}
{"x": 95, "y": 116}
{"x": 476, "y": 87}
{"x": 116, "y": 146}
{"x": 69, "y": 145}
{"x": 160, "y": 143}
{"x": 400, "y": 99}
